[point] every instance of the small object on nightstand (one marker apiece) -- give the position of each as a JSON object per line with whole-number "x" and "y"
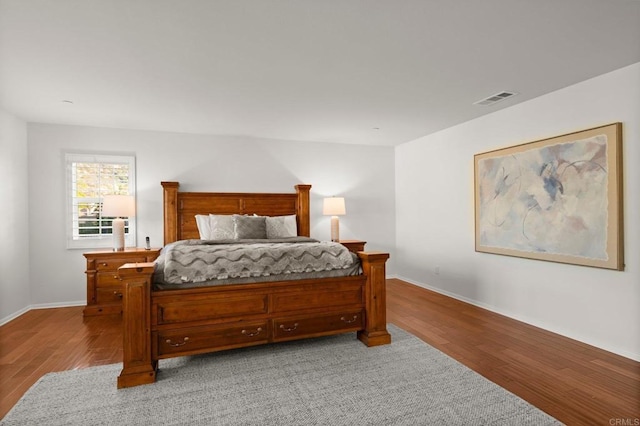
{"x": 353, "y": 245}
{"x": 104, "y": 288}
{"x": 148, "y": 244}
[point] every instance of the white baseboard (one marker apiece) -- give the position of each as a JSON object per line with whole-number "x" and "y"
{"x": 526, "y": 320}
{"x": 16, "y": 314}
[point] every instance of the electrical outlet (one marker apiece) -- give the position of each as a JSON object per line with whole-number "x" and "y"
{"x": 437, "y": 270}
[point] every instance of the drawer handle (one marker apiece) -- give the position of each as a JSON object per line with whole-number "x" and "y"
{"x": 289, "y": 329}
{"x": 355, "y": 317}
{"x": 118, "y": 294}
{"x": 251, "y": 334}
{"x": 175, "y": 345}
{"x": 104, "y": 264}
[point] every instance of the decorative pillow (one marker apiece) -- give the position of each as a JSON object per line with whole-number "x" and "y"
{"x": 202, "y": 220}
{"x": 222, "y": 227}
{"x": 249, "y": 227}
{"x": 282, "y": 226}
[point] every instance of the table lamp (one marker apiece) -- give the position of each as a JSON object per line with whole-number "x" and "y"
{"x": 118, "y": 206}
{"x": 334, "y": 207}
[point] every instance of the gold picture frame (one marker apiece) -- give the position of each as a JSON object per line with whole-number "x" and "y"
{"x": 557, "y": 199}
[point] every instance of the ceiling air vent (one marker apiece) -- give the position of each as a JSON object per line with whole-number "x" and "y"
{"x": 495, "y": 98}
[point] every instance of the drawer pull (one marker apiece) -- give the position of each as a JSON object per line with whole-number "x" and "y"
{"x": 104, "y": 264}
{"x": 289, "y": 329}
{"x": 346, "y": 321}
{"x": 118, "y": 294}
{"x": 251, "y": 334}
{"x": 175, "y": 345}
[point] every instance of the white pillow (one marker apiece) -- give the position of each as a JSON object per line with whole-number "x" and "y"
{"x": 202, "y": 220}
{"x": 221, "y": 227}
{"x": 282, "y": 226}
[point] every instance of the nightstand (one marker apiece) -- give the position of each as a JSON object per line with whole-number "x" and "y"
{"x": 353, "y": 245}
{"x": 104, "y": 288}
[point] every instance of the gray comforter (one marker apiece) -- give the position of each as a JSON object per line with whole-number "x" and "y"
{"x": 193, "y": 261}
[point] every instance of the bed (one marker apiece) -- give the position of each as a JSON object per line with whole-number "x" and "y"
{"x": 169, "y": 321}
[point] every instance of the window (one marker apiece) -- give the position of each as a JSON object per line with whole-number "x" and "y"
{"x": 89, "y": 178}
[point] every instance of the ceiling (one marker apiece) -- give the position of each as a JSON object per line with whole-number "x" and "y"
{"x": 378, "y": 72}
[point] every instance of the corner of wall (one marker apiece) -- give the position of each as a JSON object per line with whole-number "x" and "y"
{"x": 15, "y": 286}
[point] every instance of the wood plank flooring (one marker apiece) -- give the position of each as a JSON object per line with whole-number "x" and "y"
{"x": 47, "y": 340}
{"x": 576, "y": 383}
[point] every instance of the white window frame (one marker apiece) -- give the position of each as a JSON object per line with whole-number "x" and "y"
{"x": 74, "y": 240}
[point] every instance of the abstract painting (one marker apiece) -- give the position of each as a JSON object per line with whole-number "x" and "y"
{"x": 557, "y": 199}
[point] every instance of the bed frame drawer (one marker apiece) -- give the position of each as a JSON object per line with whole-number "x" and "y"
{"x": 205, "y": 339}
{"x": 294, "y": 328}
{"x": 181, "y": 310}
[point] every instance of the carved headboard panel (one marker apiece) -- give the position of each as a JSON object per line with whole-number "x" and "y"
{"x": 180, "y": 208}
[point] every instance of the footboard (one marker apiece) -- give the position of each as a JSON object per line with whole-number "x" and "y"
{"x": 169, "y": 323}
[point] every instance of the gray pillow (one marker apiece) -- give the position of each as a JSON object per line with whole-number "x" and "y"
{"x": 221, "y": 227}
{"x": 282, "y": 226}
{"x": 249, "y": 227}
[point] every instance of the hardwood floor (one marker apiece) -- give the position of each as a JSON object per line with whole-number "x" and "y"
{"x": 46, "y": 340}
{"x": 576, "y": 383}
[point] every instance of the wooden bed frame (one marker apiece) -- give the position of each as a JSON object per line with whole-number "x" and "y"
{"x": 161, "y": 324}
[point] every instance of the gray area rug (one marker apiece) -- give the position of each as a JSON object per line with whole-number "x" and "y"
{"x": 325, "y": 381}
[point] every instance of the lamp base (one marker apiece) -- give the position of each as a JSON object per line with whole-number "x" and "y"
{"x": 335, "y": 229}
{"x": 118, "y": 234}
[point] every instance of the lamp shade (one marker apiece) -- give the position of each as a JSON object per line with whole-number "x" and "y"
{"x": 333, "y": 206}
{"x": 118, "y": 206}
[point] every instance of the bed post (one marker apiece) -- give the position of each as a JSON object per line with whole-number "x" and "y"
{"x": 170, "y": 204}
{"x": 138, "y": 368}
{"x": 302, "y": 210}
{"x": 375, "y": 332}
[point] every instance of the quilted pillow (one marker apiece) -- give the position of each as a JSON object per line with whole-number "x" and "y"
{"x": 249, "y": 227}
{"x": 282, "y": 226}
{"x": 202, "y": 221}
{"x": 222, "y": 227}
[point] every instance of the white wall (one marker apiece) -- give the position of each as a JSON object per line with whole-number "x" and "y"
{"x": 430, "y": 226}
{"x": 435, "y": 218}
{"x": 14, "y": 231}
{"x": 362, "y": 174}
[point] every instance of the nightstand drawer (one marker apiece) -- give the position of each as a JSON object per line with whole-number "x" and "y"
{"x": 114, "y": 264}
{"x": 108, "y": 295}
{"x": 106, "y": 279}
{"x": 104, "y": 287}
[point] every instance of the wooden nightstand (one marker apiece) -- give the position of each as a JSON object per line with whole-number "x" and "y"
{"x": 104, "y": 288}
{"x": 353, "y": 245}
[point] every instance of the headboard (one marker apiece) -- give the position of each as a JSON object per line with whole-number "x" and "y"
{"x": 180, "y": 208}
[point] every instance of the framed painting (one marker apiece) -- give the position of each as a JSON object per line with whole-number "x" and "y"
{"x": 557, "y": 199}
